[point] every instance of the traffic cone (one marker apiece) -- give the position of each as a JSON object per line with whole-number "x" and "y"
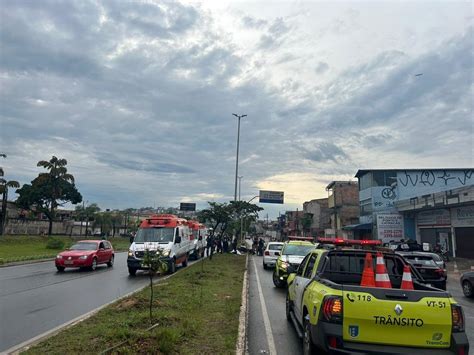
{"x": 368, "y": 277}
{"x": 407, "y": 282}
{"x": 381, "y": 274}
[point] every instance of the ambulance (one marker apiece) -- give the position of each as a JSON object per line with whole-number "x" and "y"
{"x": 165, "y": 232}
{"x": 198, "y": 236}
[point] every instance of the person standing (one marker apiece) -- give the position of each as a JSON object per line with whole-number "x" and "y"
{"x": 210, "y": 246}
{"x": 225, "y": 245}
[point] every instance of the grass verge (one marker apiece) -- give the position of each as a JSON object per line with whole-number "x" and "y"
{"x": 24, "y": 248}
{"x": 195, "y": 312}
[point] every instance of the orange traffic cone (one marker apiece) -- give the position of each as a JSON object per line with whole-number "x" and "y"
{"x": 407, "y": 282}
{"x": 381, "y": 274}
{"x": 368, "y": 277}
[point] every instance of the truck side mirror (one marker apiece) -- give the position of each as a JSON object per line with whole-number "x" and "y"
{"x": 177, "y": 240}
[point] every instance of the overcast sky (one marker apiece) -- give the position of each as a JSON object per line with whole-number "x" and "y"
{"x": 138, "y": 96}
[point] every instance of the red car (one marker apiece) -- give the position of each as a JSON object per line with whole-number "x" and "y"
{"x": 86, "y": 253}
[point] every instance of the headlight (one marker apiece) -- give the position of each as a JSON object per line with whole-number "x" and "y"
{"x": 59, "y": 256}
{"x": 83, "y": 257}
{"x": 130, "y": 253}
{"x": 166, "y": 252}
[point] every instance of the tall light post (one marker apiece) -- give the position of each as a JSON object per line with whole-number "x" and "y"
{"x": 241, "y": 220}
{"x": 237, "y": 157}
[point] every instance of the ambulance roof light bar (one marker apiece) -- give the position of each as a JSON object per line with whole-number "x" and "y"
{"x": 341, "y": 241}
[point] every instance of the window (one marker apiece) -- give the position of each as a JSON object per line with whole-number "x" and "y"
{"x": 309, "y": 268}
{"x": 101, "y": 245}
{"x": 365, "y": 181}
{"x": 379, "y": 178}
{"x": 299, "y": 272}
{"x": 366, "y": 207}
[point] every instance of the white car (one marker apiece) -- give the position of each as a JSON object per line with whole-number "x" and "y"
{"x": 271, "y": 254}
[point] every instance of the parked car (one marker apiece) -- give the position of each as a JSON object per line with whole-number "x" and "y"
{"x": 467, "y": 283}
{"x": 430, "y": 271}
{"x": 271, "y": 254}
{"x": 86, "y": 254}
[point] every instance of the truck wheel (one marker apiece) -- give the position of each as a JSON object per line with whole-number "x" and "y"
{"x": 276, "y": 280}
{"x": 289, "y": 307}
{"x": 185, "y": 262}
{"x": 197, "y": 253}
{"x": 132, "y": 271}
{"x": 308, "y": 345}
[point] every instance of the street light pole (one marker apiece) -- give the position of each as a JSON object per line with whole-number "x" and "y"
{"x": 237, "y": 155}
{"x": 241, "y": 221}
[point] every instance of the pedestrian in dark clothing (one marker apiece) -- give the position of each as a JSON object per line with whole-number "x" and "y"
{"x": 219, "y": 245}
{"x": 210, "y": 246}
{"x": 225, "y": 245}
{"x": 234, "y": 245}
{"x": 261, "y": 244}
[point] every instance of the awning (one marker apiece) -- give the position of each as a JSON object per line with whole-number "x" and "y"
{"x": 365, "y": 226}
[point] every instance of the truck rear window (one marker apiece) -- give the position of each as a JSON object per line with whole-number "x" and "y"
{"x": 346, "y": 268}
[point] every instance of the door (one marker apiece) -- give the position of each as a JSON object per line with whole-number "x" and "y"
{"x": 101, "y": 253}
{"x": 303, "y": 277}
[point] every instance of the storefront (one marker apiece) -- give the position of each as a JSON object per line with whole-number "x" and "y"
{"x": 434, "y": 227}
{"x": 462, "y": 219}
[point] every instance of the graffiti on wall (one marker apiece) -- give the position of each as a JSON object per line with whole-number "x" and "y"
{"x": 430, "y": 177}
{"x": 413, "y": 183}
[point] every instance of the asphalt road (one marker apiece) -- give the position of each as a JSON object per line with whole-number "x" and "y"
{"x": 285, "y": 339}
{"x": 34, "y": 298}
{"x": 284, "y": 336}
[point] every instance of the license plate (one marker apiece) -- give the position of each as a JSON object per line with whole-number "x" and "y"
{"x": 68, "y": 262}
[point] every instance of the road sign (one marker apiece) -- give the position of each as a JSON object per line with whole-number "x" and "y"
{"x": 184, "y": 206}
{"x": 271, "y": 196}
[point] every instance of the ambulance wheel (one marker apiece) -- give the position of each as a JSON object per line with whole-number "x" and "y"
{"x": 172, "y": 266}
{"x": 308, "y": 345}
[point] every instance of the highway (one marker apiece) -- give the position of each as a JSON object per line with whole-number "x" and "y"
{"x": 34, "y": 298}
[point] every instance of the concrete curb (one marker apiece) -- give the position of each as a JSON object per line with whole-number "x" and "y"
{"x": 241, "y": 346}
{"x": 37, "y": 339}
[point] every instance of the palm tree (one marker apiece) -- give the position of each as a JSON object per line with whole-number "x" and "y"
{"x": 4, "y": 186}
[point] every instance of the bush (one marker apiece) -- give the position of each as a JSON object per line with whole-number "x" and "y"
{"x": 54, "y": 243}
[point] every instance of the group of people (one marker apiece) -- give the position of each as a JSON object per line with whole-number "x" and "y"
{"x": 220, "y": 245}
{"x": 258, "y": 246}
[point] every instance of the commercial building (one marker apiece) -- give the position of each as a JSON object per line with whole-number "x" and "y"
{"x": 316, "y": 217}
{"x": 343, "y": 204}
{"x": 433, "y": 206}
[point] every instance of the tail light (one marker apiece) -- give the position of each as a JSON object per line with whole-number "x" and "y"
{"x": 332, "y": 309}
{"x": 267, "y": 252}
{"x": 457, "y": 317}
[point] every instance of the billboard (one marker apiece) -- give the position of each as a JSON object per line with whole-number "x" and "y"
{"x": 389, "y": 227}
{"x": 271, "y": 196}
{"x": 185, "y": 206}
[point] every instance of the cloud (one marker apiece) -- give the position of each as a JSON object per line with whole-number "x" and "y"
{"x": 321, "y": 67}
{"x": 138, "y": 97}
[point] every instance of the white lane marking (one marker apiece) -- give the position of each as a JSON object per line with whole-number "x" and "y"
{"x": 266, "y": 320}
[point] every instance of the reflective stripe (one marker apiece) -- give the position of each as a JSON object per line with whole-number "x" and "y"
{"x": 380, "y": 260}
{"x": 382, "y": 277}
{"x": 406, "y": 276}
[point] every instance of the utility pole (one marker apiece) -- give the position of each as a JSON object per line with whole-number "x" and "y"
{"x": 241, "y": 220}
{"x": 237, "y": 155}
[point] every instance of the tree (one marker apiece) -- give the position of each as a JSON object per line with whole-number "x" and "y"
{"x": 49, "y": 190}
{"x": 4, "y": 186}
{"x": 154, "y": 261}
{"x": 225, "y": 215}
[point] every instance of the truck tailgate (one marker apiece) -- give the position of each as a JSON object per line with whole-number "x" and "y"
{"x": 397, "y": 317}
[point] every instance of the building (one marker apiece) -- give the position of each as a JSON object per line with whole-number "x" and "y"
{"x": 433, "y": 206}
{"x": 293, "y": 223}
{"x": 343, "y": 204}
{"x": 316, "y": 217}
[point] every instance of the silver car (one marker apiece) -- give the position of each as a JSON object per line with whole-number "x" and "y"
{"x": 271, "y": 254}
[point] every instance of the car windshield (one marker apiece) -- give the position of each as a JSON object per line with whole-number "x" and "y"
{"x": 297, "y": 249}
{"x": 160, "y": 235}
{"x": 275, "y": 246}
{"x": 84, "y": 246}
{"x": 423, "y": 260}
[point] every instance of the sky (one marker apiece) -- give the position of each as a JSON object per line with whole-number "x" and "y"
{"x": 138, "y": 96}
